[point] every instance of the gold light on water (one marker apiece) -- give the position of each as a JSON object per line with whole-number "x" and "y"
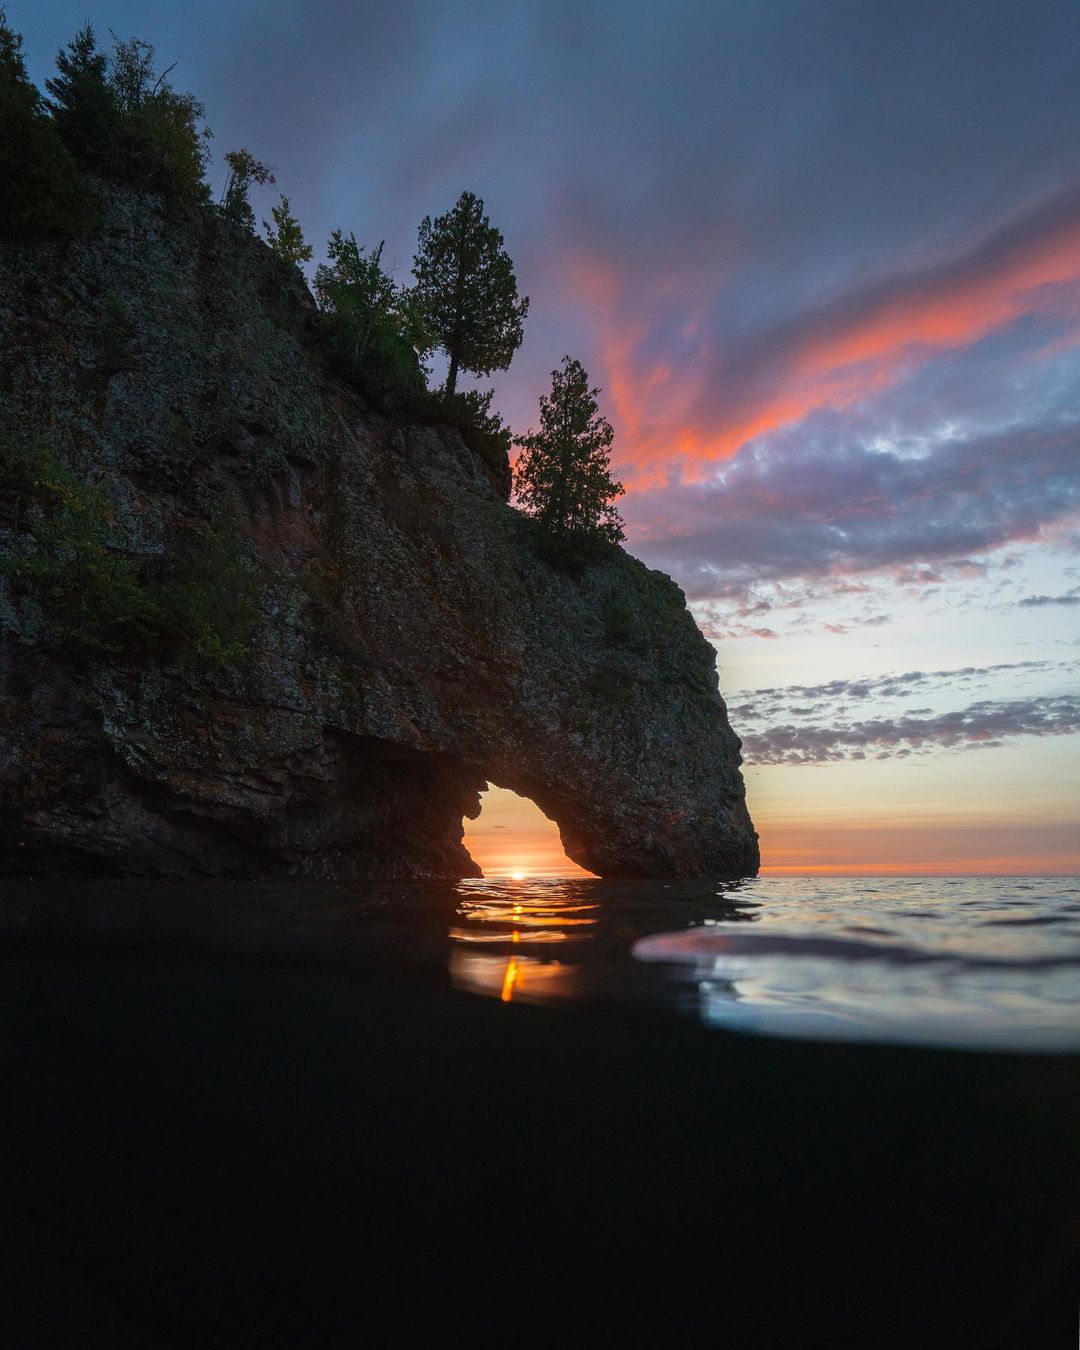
{"x": 510, "y": 979}
{"x": 517, "y": 925}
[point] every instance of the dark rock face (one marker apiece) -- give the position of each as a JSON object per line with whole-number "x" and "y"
{"x": 411, "y": 645}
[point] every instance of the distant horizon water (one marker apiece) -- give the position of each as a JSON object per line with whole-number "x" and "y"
{"x": 513, "y": 836}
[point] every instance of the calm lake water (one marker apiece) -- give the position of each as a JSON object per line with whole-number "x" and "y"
{"x": 982, "y": 962}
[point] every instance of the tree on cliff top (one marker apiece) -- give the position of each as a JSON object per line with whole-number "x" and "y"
{"x": 83, "y": 107}
{"x": 563, "y": 476}
{"x": 285, "y": 236}
{"x": 122, "y": 120}
{"x": 41, "y": 189}
{"x": 244, "y": 169}
{"x": 466, "y": 286}
{"x": 374, "y": 325}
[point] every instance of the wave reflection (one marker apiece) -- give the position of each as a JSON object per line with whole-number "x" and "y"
{"x": 511, "y": 919}
{"x": 988, "y": 961}
{"x": 954, "y": 961}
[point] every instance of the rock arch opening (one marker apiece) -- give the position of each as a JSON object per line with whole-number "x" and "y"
{"x": 512, "y": 838}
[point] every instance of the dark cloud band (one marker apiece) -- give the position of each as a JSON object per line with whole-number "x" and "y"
{"x": 817, "y": 505}
{"x": 987, "y": 723}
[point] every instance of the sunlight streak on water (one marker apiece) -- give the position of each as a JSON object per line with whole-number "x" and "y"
{"x": 952, "y": 961}
{"x": 517, "y": 912}
{"x": 969, "y": 961}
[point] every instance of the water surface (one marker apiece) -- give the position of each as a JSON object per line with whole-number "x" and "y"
{"x": 981, "y": 962}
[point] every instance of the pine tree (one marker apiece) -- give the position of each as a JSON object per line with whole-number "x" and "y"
{"x": 285, "y": 236}
{"x": 563, "y": 476}
{"x": 42, "y": 191}
{"x": 123, "y": 121}
{"x": 84, "y": 108}
{"x": 468, "y": 291}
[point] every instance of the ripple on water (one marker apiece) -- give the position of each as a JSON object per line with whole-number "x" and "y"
{"x": 958, "y": 961}
{"x": 961, "y": 961}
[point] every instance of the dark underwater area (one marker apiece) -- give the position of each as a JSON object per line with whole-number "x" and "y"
{"x": 257, "y": 1128}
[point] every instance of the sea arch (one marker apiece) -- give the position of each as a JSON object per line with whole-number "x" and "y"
{"x": 512, "y": 836}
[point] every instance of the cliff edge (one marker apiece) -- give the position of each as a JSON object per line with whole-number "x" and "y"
{"x": 249, "y": 626}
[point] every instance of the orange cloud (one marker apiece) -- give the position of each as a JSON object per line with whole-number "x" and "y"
{"x": 703, "y": 403}
{"x": 950, "y": 311}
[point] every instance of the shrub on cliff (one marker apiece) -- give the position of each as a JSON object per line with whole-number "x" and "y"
{"x": 122, "y": 120}
{"x": 466, "y": 287}
{"x": 374, "y": 328}
{"x": 199, "y": 601}
{"x": 563, "y": 476}
{"x": 209, "y": 596}
{"x": 285, "y": 236}
{"x": 244, "y": 170}
{"x": 92, "y": 594}
{"x": 42, "y": 191}
{"x": 483, "y": 431}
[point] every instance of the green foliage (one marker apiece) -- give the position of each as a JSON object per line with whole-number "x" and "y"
{"x": 116, "y": 321}
{"x": 466, "y": 287}
{"x": 42, "y": 191}
{"x": 177, "y": 429}
{"x": 209, "y": 600}
{"x": 20, "y": 465}
{"x": 82, "y": 103}
{"x": 122, "y": 120}
{"x": 329, "y": 625}
{"x": 374, "y": 325}
{"x": 244, "y": 170}
{"x": 285, "y": 236}
{"x": 92, "y": 593}
{"x": 100, "y": 602}
{"x": 563, "y": 476}
{"x": 484, "y": 432}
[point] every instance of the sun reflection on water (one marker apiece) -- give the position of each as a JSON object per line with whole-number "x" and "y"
{"x": 510, "y": 978}
{"x": 504, "y": 917}
{"x": 955, "y": 961}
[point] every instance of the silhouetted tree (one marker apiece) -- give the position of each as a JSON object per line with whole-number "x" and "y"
{"x": 466, "y": 285}
{"x": 244, "y": 169}
{"x": 125, "y": 122}
{"x": 83, "y": 105}
{"x": 375, "y": 325}
{"x": 41, "y": 189}
{"x": 285, "y": 236}
{"x": 563, "y": 476}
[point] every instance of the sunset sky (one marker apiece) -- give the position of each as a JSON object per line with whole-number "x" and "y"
{"x": 824, "y": 259}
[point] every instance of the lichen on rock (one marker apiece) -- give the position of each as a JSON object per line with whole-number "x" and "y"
{"x": 407, "y": 640}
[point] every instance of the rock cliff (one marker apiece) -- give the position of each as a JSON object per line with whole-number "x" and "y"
{"x": 408, "y": 642}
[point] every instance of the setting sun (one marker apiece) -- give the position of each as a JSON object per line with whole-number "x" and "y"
{"x": 513, "y": 839}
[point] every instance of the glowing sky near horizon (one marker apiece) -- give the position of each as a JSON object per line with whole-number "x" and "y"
{"x": 825, "y": 261}
{"x": 513, "y": 838}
